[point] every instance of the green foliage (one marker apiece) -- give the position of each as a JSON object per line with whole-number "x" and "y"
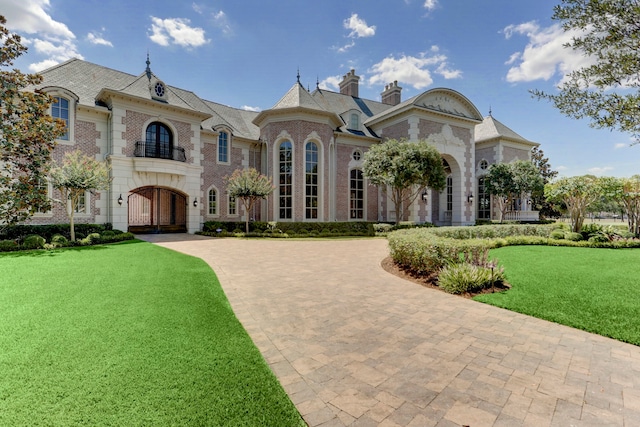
{"x": 606, "y": 90}
{"x": 406, "y": 168}
{"x": 33, "y": 242}
{"x": 59, "y": 240}
{"x": 290, "y": 229}
{"x": 546, "y": 209}
{"x": 19, "y": 232}
{"x": 248, "y": 185}
{"x": 557, "y": 234}
{"x": 77, "y": 174}
{"x": 27, "y": 136}
{"x": 509, "y": 181}
{"x": 577, "y": 193}
{"x": 468, "y": 278}
{"x": 574, "y": 237}
{"x": 9, "y": 245}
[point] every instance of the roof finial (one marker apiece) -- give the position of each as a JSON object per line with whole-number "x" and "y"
{"x": 148, "y": 70}
{"x": 298, "y": 74}
{"x": 490, "y": 111}
{"x": 317, "y": 83}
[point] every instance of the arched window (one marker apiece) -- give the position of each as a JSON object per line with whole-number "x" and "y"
{"x": 449, "y": 193}
{"x": 311, "y": 180}
{"x": 356, "y": 194}
{"x": 223, "y": 147}
{"x": 158, "y": 141}
{"x": 354, "y": 122}
{"x": 232, "y": 206}
{"x": 285, "y": 180}
{"x": 484, "y": 200}
{"x": 213, "y": 202}
{"x": 60, "y": 110}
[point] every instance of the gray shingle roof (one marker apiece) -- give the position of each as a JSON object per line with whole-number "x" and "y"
{"x": 492, "y": 129}
{"x": 297, "y": 96}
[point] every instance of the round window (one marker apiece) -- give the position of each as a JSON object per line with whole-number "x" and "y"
{"x": 484, "y": 165}
{"x": 357, "y": 155}
{"x": 159, "y": 88}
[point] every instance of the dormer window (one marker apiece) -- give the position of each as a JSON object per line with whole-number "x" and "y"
{"x": 354, "y": 121}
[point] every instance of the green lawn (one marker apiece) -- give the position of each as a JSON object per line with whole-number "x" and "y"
{"x": 127, "y": 335}
{"x": 597, "y": 290}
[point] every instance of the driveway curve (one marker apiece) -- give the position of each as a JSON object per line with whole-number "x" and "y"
{"x": 355, "y": 345}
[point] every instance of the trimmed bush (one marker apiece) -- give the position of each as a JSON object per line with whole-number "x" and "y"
{"x": 33, "y": 242}
{"x": 466, "y": 278}
{"x": 9, "y": 245}
{"x": 59, "y": 240}
{"x": 574, "y": 237}
{"x": 557, "y": 234}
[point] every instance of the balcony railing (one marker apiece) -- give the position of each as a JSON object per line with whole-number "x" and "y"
{"x": 522, "y": 216}
{"x": 152, "y": 150}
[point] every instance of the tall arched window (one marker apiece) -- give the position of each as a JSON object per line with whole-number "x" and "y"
{"x": 311, "y": 180}
{"x": 213, "y": 202}
{"x": 285, "y": 180}
{"x": 158, "y": 141}
{"x": 356, "y": 194}
{"x": 223, "y": 147}
{"x": 484, "y": 200}
{"x": 60, "y": 110}
{"x": 449, "y": 193}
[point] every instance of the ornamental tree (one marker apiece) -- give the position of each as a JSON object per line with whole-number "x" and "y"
{"x": 537, "y": 197}
{"x": 27, "y": 136}
{"x": 248, "y": 185}
{"x": 578, "y": 193}
{"x": 510, "y": 181}
{"x": 405, "y": 169}
{"x": 608, "y": 90}
{"x": 627, "y": 194}
{"x": 77, "y": 174}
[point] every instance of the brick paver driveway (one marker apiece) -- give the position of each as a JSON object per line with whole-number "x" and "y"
{"x": 354, "y": 345}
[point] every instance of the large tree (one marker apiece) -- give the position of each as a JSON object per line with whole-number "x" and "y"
{"x": 508, "y": 182}
{"x": 248, "y": 185}
{"x": 627, "y": 195}
{"x": 608, "y": 91}
{"x": 578, "y": 193}
{"x": 405, "y": 169}
{"x": 76, "y": 175}
{"x": 27, "y": 136}
{"x": 538, "y": 200}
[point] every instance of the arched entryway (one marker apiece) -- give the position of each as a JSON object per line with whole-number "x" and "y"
{"x": 157, "y": 210}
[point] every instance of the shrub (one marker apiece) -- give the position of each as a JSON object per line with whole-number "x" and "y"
{"x": 108, "y": 233}
{"x": 94, "y": 238}
{"x": 465, "y": 277}
{"x": 59, "y": 240}
{"x": 557, "y": 234}
{"x": 8, "y": 245}
{"x": 33, "y": 242}
{"x": 382, "y": 228}
{"x": 574, "y": 237}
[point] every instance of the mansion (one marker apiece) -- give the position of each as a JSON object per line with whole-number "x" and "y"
{"x": 170, "y": 151}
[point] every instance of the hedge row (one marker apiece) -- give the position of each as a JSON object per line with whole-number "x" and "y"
{"x": 429, "y": 249}
{"x": 19, "y": 232}
{"x": 35, "y": 241}
{"x": 266, "y": 229}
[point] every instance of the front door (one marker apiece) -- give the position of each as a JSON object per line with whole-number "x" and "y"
{"x": 157, "y": 210}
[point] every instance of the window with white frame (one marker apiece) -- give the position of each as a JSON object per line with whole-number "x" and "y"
{"x": 285, "y": 180}
{"x": 232, "y": 206}
{"x": 223, "y": 147}
{"x": 81, "y": 204}
{"x": 356, "y": 194}
{"x": 213, "y": 202}
{"x": 60, "y": 110}
{"x": 311, "y": 181}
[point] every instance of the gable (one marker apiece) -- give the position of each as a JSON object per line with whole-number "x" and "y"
{"x": 449, "y": 102}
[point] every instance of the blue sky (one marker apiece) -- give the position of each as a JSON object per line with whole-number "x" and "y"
{"x": 247, "y": 53}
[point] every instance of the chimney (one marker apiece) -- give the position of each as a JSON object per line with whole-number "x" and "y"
{"x": 391, "y": 94}
{"x": 349, "y": 84}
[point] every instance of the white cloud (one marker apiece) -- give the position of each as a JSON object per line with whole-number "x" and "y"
{"x": 413, "y": 70}
{"x": 52, "y": 40}
{"x": 359, "y": 27}
{"x": 176, "y": 31}
{"x": 249, "y": 108}
{"x": 430, "y": 4}
{"x": 544, "y": 56}
{"x": 330, "y": 83}
{"x": 96, "y": 38}
{"x": 221, "y": 21}
{"x": 599, "y": 170}
{"x": 620, "y": 145}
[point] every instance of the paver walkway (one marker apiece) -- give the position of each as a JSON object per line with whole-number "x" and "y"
{"x": 354, "y": 345}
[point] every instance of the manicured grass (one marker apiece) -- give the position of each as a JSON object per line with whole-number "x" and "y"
{"x": 597, "y": 290}
{"x": 127, "y": 335}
